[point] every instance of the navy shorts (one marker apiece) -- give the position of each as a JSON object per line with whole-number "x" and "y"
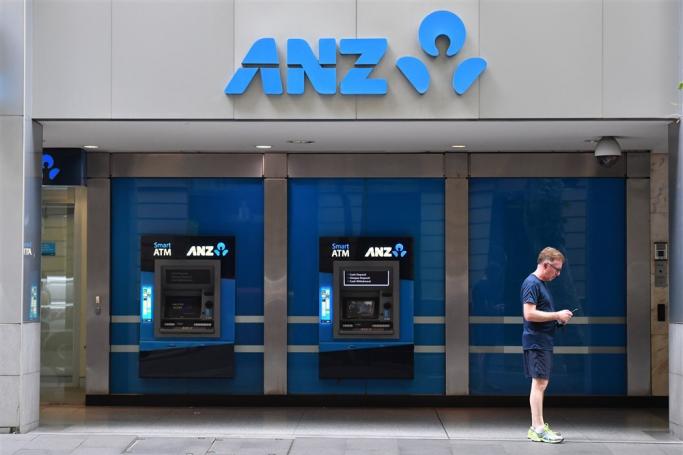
{"x": 538, "y": 363}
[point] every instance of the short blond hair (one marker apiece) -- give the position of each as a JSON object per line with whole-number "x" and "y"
{"x": 550, "y": 254}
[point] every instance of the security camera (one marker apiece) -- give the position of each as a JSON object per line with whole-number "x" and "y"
{"x": 607, "y": 151}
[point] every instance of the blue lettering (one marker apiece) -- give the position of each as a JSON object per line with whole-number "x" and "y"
{"x": 370, "y": 51}
{"x": 261, "y": 57}
{"x": 301, "y": 61}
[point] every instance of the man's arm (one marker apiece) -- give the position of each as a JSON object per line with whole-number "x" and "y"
{"x": 533, "y": 315}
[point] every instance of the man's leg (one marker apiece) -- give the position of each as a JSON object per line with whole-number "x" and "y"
{"x": 538, "y": 386}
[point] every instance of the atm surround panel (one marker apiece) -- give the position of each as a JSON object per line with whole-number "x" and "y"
{"x": 187, "y": 303}
{"x": 366, "y": 299}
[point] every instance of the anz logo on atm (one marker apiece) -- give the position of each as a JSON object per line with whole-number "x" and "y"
{"x": 398, "y": 251}
{"x": 321, "y": 70}
{"x": 208, "y": 250}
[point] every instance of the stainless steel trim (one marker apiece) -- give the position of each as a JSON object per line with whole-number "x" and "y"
{"x": 125, "y": 319}
{"x": 275, "y": 287}
{"x": 581, "y": 320}
{"x": 456, "y": 165}
{"x": 638, "y": 165}
{"x": 125, "y": 348}
{"x": 98, "y": 264}
{"x": 430, "y": 349}
{"x": 275, "y": 165}
{"x": 300, "y": 348}
{"x": 186, "y": 165}
{"x": 248, "y": 319}
{"x": 457, "y": 287}
{"x": 247, "y": 348}
{"x": 638, "y": 286}
{"x": 303, "y": 319}
{"x": 364, "y": 165}
{"x": 97, "y": 165}
{"x": 585, "y": 350}
{"x": 429, "y": 320}
{"x": 541, "y": 165}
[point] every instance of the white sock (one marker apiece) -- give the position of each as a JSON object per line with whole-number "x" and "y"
{"x": 539, "y": 430}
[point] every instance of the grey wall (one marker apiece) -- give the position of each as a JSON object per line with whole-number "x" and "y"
{"x": 172, "y": 59}
{"x": 20, "y": 146}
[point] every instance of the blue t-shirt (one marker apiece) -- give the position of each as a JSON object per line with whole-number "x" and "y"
{"x": 537, "y": 335}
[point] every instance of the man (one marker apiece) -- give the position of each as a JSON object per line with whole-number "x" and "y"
{"x": 540, "y": 319}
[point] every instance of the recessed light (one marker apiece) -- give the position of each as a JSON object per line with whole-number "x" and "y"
{"x": 458, "y": 146}
{"x": 264, "y": 147}
{"x": 301, "y": 141}
{"x": 91, "y": 147}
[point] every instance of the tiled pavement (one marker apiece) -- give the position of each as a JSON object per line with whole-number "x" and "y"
{"x": 338, "y": 431}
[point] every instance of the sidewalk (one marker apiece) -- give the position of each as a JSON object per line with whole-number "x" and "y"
{"x": 338, "y": 431}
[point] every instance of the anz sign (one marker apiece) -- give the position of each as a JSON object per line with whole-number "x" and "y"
{"x": 321, "y": 70}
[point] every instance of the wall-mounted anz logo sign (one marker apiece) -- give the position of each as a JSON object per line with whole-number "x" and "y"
{"x": 398, "y": 251}
{"x": 208, "y": 250}
{"x": 49, "y": 170}
{"x": 321, "y": 71}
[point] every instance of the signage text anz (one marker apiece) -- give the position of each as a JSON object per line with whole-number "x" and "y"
{"x": 321, "y": 71}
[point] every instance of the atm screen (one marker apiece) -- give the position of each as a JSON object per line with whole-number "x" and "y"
{"x": 183, "y": 306}
{"x": 188, "y": 276}
{"x": 360, "y": 309}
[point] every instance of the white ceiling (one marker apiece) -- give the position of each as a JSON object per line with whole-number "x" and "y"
{"x": 353, "y": 135}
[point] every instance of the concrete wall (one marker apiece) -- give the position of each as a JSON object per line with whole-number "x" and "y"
{"x": 20, "y": 168}
{"x": 172, "y": 59}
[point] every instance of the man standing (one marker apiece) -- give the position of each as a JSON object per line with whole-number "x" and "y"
{"x": 540, "y": 319}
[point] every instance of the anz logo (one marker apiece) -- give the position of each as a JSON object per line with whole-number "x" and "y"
{"x": 398, "y": 251}
{"x": 49, "y": 170}
{"x": 321, "y": 71}
{"x": 219, "y": 250}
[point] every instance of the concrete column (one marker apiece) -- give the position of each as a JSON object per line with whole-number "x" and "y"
{"x": 20, "y": 186}
{"x": 676, "y": 260}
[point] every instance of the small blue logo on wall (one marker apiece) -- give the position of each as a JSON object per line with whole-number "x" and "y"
{"x": 50, "y": 172}
{"x": 321, "y": 71}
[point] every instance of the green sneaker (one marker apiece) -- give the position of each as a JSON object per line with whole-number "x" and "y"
{"x": 546, "y": 427}
{"x": 547, "y": 436}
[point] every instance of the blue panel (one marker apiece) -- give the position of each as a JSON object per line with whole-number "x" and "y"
{"x": 364, "y": 207}
{"x": 570, "y": 335}
{"x": 302, "y": 378}
{"x": 125, "y": 378}
{"x": 125, "y": 334}
{"x": 302, "y": 334}
{"x": 510, "y": 221}
{"x": 502, "y": 374}
{"x": 430, "y": 334}
{"x": 250, "y": 334}
{"x": 430, "y": 380}
{"x": 187, "y": 207}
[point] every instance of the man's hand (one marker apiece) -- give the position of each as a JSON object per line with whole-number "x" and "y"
{"x": 564, "y": 316}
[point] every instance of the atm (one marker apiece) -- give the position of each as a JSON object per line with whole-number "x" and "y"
{"x": 366, "y": 308}
{"x": 187, "y": 307}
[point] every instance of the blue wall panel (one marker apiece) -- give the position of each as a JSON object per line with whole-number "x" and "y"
{"x": 187, "y": 207}
{"x": 366, "y": 207}
{"x": 510, "y": 221}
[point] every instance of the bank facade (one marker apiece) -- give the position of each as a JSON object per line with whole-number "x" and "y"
{"x": 301, "y": 200}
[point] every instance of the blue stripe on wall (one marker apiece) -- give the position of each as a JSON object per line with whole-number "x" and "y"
{"x": 570, "y": 335}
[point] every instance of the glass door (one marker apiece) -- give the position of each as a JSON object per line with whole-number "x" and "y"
{"x": 62, "y": 322}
